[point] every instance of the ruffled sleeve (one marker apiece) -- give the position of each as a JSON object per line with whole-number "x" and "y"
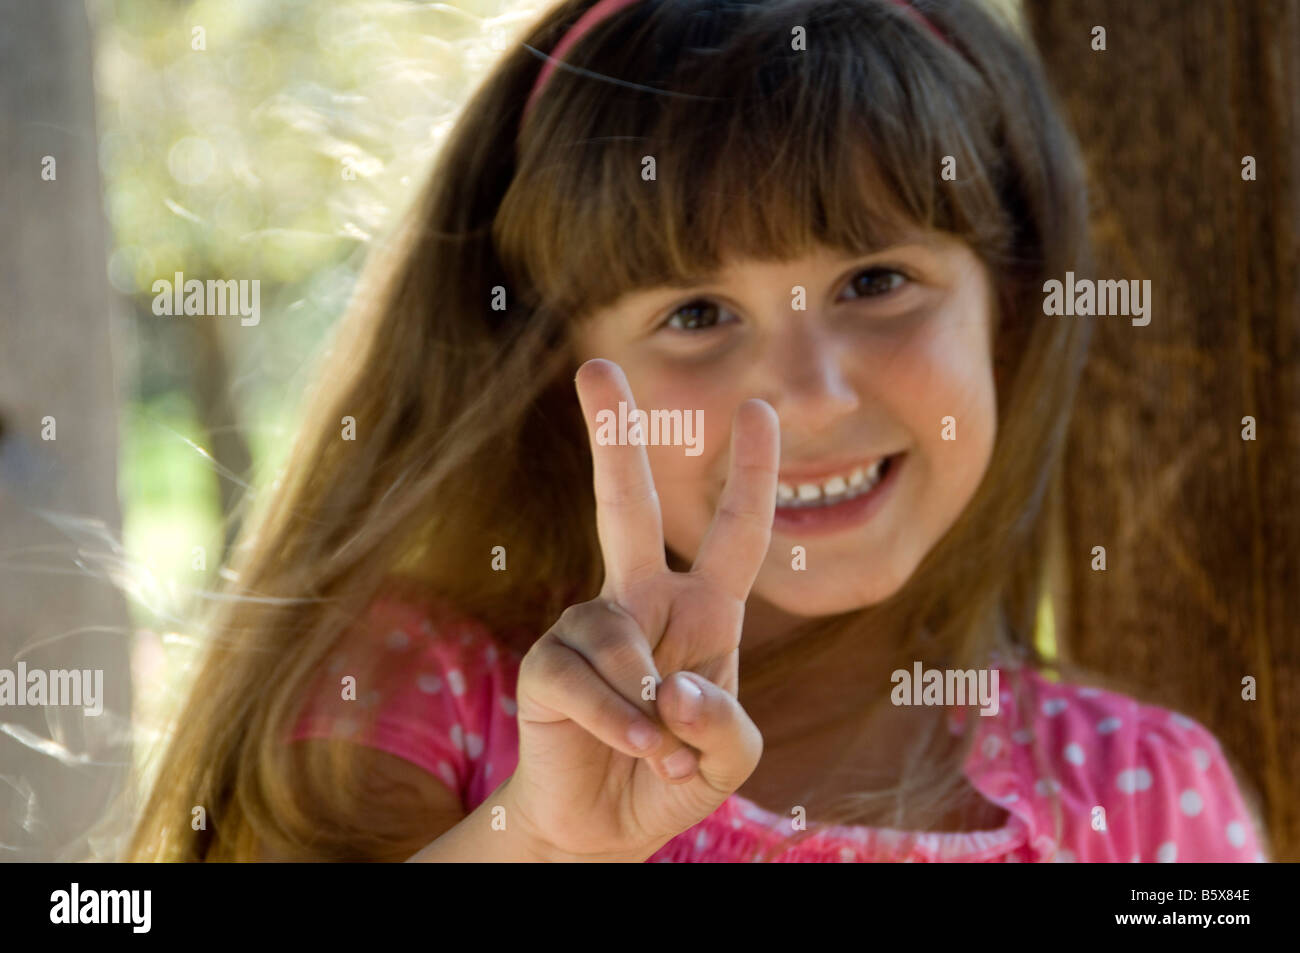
{"x": 1133, "y": 782}
{"x": 432, "y": 687}
{"x": 1187, "y": 802}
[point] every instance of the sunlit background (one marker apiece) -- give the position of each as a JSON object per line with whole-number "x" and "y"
{"x": 250, "y": 139}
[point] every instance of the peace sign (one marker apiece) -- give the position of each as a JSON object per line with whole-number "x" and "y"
{"x": 630, "y": 526}
{"x": 607, "y": 771}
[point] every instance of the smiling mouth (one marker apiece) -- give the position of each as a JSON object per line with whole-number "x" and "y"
{"x": 837, "y": 488}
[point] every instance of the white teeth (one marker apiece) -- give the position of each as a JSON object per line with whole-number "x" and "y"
{"x": 832, "y": 490}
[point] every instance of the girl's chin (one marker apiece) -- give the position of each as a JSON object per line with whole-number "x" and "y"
{"x": 817, "y": 599}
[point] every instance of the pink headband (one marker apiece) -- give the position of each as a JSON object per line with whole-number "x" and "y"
{"x": 604, "y": 9}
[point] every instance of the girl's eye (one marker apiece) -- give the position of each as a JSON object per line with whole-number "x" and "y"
{"x": 696, "y": 316}
{"x": 703, "y": 315}
{"x": 876, "y": 282}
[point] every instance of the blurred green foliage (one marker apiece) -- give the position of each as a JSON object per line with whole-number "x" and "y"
{"x": 255, "y": 139}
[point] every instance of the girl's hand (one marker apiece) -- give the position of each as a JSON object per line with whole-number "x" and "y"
{"x": 585, "y": 787}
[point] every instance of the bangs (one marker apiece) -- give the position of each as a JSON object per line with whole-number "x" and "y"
{"x": 689, "y": 134}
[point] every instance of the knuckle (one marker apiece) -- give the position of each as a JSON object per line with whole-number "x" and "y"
{"x": 573, "y": 617}
{"x": 612, "y": 645}
{"x": 548, "y": 663}
{"x": 648, "y": 566}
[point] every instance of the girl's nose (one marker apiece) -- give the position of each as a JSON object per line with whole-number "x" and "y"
{"x": 806, "y": 383}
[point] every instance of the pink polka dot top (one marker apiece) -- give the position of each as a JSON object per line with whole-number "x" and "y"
{"x": 1134, "y": 782}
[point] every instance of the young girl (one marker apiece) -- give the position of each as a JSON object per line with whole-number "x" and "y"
{"x": 479, "y": 622}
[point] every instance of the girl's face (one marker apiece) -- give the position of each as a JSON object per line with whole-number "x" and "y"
{"x": 886, "y": 357}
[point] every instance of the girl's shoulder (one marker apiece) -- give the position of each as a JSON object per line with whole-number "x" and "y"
{"x": 1135, "y": 781}
{"x": 419, "y": 679}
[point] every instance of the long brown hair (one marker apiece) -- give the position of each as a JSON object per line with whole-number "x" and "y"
{"x": 467, "y": 431}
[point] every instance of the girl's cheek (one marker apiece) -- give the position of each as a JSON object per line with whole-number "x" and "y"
{"x": 943, "y": 368}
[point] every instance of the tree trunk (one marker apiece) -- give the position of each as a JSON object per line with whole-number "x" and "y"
{"x": 59, "y": 519}
{"x": 1201, "y": 527}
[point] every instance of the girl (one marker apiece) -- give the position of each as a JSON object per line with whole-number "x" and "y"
{"x": 822, "y": 228}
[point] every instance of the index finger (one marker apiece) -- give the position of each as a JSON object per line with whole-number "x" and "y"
{"x": 628, "y": 520}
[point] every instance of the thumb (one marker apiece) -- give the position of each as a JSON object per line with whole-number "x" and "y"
{"x": 712, "y": 721}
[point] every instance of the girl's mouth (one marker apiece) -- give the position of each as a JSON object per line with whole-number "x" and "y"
{"x": 840, "y": 501}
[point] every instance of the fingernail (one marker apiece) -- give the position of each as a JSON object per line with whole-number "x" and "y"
{"x": 679, "y": 764}
{"x": 692, "y": 701}
{"x": 643, "y": 735}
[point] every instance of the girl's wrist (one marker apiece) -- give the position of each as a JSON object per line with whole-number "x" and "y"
{"x": 541, "y": 846}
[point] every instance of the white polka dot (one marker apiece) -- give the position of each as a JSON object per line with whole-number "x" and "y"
{"x": 1054, "y": 706}
{"x": 1045, "y": 786}
{"x": 473, "y": 745}
{"x": 992, "y": 746}
{"x": 1011, "y": 798}
{"x": 847, "y": 855}
{"x": 1133, "y": 779}
{"x": 1167, "y": 853}
{"x": 701, "y": 839}
{"x": 509, "y": 706}
{"x": 429, "y": 684}
{"x": 397, "y": 639}
{"x": 487, "y": 771}
{"x": 1182, "y": 721}
{"x": 1190, "y": 802}
{"x": 1108, "y": 725}
{"x": 456, "y": 680}
{"x": 490, "y": 653}
{"x": 1065, "y": 857}
{"x": 446, "y": 773}
{"x": 1202, "y": 758}
{"x": 735, "y": 822}
{"x": 458, "y": 737}
{"x": 1135, "y": 859}
{"x": 1089, "y": 692}
{"x": 1022, "y": 736}
{"x": 1237, "y": 834}
{"x": 1074, "y": 753}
